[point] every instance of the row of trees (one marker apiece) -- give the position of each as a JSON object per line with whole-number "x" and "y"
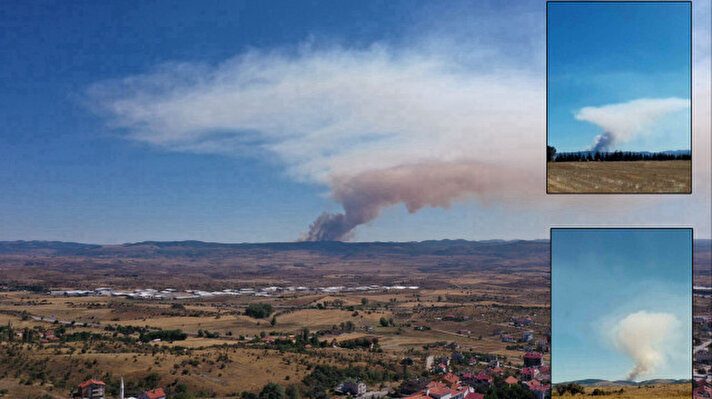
{"x": 588, "y": 156}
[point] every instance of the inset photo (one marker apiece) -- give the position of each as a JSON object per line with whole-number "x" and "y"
{"x": 622, "y": 312}
{"x": 619, "y": 111}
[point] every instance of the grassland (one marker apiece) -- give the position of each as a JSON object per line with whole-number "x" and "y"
{"x": 489, "y": 283}
{"x": 620, "y": 177}
{"x": 672, "y": 391}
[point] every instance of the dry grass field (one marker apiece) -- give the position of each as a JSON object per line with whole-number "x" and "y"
{"x": 227, "y": 365}
{"x": 477, "y": 287}
{"x": 673, "y": 391}
{"x": 619, "y": 177}
{"x": 462, "y": 286}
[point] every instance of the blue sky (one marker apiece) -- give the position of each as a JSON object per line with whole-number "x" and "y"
{"x": 239, "y": 121}
{"x": 600, "y": 277}
{"x": 616, "y": 52}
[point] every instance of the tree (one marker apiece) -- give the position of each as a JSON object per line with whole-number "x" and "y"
{"x": 259, "y": 310}
{"x": 550, "y": 153}
{"x": 292, "y": 392}
{"x": 273, "y": 391}
{"x": 405, "y": 363}
{"x": 273, "y": 322}
{"x": 384, "y": 322}
{"x": 364, "y": 301}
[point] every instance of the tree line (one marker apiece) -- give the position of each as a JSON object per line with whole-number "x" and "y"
{"x": 590, "y": 156}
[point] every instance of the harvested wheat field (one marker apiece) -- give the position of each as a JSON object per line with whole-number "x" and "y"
{"x": 620, "y": 177}
{"x": 669, "y": 391}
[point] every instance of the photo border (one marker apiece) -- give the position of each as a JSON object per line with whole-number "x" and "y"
{"x": 692, "y": 293}
{"x": 546, "y": 112}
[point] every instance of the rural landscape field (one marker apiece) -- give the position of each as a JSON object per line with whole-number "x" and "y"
{"x": 190, "y": 317}
{"x": 620, "y": 177}
{"x": 663, "y": 391}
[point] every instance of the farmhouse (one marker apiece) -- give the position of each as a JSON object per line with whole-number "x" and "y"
{"x": 507, "y": 338}
{"x": 350, "y": 387}
{"x": 91, "y": 389}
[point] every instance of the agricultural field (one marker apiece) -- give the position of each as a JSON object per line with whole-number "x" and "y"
{"x": 668, "y": 391}
{"x": 620, "y": 177}
{"x": 462, "y": 298}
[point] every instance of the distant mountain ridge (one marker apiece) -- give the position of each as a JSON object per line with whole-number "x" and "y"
{"x": 195, "y": 248}
{"x": 435, "y": 247}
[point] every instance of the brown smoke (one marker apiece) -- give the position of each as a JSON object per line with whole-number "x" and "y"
{"x": 435, "y": 184}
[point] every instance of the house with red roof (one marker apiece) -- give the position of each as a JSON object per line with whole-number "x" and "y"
{"x": 702, "y": 390}
{"x": 539, "y": 390}
{"x": 418, "y": 395}
{"x": 507, "y": 338}
{"x": 528, "y": 373}
{"x": 443, "y": 390}
{"x": 496, "y": 370}
{"x": 511, "y": 380}
{"x": 533, "y": 359}
{"x": 450, "y": 379}
{"x": 153, "y": 394}
{"x": 475, "y": 395}
{"x": 91, "y": 389}
{"x": 484, "y": 379}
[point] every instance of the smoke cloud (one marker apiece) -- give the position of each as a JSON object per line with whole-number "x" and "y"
{"x": 435, "y": 184}
{"x": 603, "y": 142}
{"x": 624, "y": 122}
{"x": 378, "y": 126}
{"x": 366, "y": 121}
{"x": 643, "y": 337}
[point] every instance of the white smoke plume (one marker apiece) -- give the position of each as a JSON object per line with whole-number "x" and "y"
{"x": 394, "y": 123}
{"x": 623, "y": 122}
{"x": 379, "y": 127}
{"x": 643, "y": 337}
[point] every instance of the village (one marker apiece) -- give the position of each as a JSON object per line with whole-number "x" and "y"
{"x": 441, "y": 382}
{"x": 425, "y": 344}
{"x": 702, "y": 343}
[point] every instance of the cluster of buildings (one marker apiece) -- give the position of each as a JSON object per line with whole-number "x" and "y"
{"x": 96, "y": 389}
{"x": 448, "y": 386}
{"x": 702, "y": 388}
{"x": 272, "y": 291}
{"x": 32, "y": 335}
{"x": 352, "y": 387}
{"x": 535, "y": 377}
